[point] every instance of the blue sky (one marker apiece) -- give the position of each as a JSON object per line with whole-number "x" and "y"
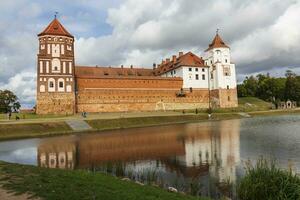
{"x": 264, "y": 36}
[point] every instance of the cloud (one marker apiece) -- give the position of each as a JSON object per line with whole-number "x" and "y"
{"x": 23, "y": 84}
{"x": 263, "y": 35}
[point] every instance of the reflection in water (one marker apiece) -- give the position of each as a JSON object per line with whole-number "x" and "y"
{"x": 195, "y": 158}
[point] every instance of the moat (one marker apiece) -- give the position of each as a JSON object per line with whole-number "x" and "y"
{"x": 205, "y": 158}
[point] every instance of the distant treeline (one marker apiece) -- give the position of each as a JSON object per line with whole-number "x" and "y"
{"x": 272, "y": 89}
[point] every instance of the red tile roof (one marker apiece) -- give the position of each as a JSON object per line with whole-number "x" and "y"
{"x": 55, "y": 28}
{"x": 100, "y": 72}
{"x": 217, "y": 43}
{"x": 188, "y": 59}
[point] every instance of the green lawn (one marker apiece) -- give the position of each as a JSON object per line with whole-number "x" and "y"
{"x": 53, "y": 184}
{"x": 28, "y": 130}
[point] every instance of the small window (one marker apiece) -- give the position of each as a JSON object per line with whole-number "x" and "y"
{"x": 197, "y": 76}
{"x": 51, "y": 84}
{"x": 174, "y": 72}
{"x": 190, "y": 69}
{"x": 227, "y": 87}
{"x": 212, "y": 76}
{"x": 203, "y": 70}
{"x": 211, "y": 62}
{"x": 196, "y": 69}
{"x": 228, "y": 98}
{"x": 203, "y": 76}
{"x": 61, "y": 84}
{"x": 226, "y": 74}
{"x": 225, "y": 60}
{"x": 191, "y": 89}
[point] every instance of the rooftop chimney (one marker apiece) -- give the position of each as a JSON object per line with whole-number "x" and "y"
{"x": 174, "y": 58}
{"x": 180, "y": 53}
{"x": 154, "y": 65}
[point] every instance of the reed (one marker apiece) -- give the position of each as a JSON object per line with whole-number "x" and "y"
{"x": 265, "y": 180}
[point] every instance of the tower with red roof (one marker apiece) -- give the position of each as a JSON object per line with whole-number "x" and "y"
{"x": 222, "y": 75}
{"x": 55, "y": 70}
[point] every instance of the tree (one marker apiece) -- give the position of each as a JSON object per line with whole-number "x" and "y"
{"x": 292, "y": 86}
{"x": 8, "y": 102}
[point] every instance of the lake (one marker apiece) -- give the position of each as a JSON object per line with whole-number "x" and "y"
{"x": 205, "y": 158}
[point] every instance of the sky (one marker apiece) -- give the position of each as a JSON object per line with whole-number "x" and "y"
{"x": 264, "y": 35}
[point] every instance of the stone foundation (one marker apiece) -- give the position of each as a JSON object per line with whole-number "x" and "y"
{"x": 55, "y": 103}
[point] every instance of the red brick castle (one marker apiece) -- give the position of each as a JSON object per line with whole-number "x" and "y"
{"x": 184, "y": 81}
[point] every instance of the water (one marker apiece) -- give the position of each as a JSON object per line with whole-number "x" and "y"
{"x": 204, "y": 158}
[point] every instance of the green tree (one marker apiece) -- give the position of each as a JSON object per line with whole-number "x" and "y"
{"x": 292, "y": 86}
{"x": 8, "y": 102}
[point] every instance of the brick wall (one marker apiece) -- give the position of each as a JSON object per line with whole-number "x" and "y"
{"x": 134, "y": 82}
{"x": 118, "y": 100}
{"x": 55, "y": 103}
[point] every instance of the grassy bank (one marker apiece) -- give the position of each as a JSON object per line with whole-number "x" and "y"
{"x": 63, "y": 184}
{"x": 18, "y": 131}
{"x": 55, "y": 128}
{"x": 42, "y": 129}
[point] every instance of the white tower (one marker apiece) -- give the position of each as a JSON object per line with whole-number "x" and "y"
{"x": 222, "y": 75}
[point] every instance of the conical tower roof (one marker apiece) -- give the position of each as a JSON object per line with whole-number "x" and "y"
{"x": 217, "y": 43}
{"x": 55, "y": 28}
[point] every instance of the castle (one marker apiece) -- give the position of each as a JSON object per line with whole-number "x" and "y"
{"x": 182, "y": 82}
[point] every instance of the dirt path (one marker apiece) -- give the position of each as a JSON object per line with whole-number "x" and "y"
{"x": 4, "y": 195}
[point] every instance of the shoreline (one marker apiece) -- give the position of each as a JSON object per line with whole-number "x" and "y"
{"x": 59, "y": 127}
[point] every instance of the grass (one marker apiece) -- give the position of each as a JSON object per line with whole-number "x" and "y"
{"x": 9, "y": 131}
{"x": 52, "y": 184}
{"x": 265, "y": 181}
{"x": 29, "y": 116}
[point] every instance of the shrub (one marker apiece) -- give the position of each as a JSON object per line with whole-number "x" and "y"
{"x": 265, "y": 181}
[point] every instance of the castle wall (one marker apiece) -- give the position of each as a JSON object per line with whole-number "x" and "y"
{"x": 224, "y": 98}
{"x": 129, "y": 82}
{"x": 55, "y": 103}
{"x": 118, "y": 100}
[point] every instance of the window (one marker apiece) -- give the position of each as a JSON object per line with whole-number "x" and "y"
{"x": 191, "y": 89}
{"x": 197, "y": 76}
{"x": 227, "y": 87}
{"x": 203, "y": 70}
{"x": 211, "y": 76}
{"x": 203, "y": 76}
{"x": 211, "y": 62}
{"x": 226, "y": 74}
{"x": 174, "y": 72}
{"x": 61, "y": 84}
{"x": 190, "y": 69}
{"x": 228, "y": 98}
{"x": 225, "y": 60}
{"x": 196, "y": 69}
{"x": 51, "y": 84}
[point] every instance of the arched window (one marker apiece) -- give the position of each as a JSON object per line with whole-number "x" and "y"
{"x": 51, "y": 85}
{"x": 61, "y": 85}
{"x": 56, "y": 65}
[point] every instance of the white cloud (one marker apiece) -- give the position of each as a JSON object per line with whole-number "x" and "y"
{"x": 23, "y": 84}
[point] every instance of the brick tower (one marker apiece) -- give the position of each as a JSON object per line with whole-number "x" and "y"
{"x": 55, "y": 71}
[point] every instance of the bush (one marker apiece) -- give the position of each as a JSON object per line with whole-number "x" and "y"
{"x": 265, "y": 181}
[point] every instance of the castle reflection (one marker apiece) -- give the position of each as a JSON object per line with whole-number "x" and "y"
{"x": 186, "y": 151}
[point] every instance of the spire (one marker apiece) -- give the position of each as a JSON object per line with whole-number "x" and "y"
{"x": 55, "y": 28}
{"x": 217, "y": 42}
